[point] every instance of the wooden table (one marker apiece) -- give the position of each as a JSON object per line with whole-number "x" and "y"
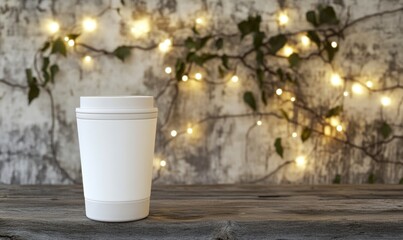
{"x": 212, "y": 212}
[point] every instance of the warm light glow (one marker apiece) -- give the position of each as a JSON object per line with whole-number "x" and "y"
{"x": 385, "y": 101}
{"x": 369, "y": 84}
{"x": 283, "y": 19}
{"x": 292, "y": 99}
{"x": 66, "y": 39}
{"x": 174, "y": 133}
{"x": 89, "y": 24}
{"x": 165, "y": 46}
{"x": 334, "y": 121}
{"x": 305, "y": 40}
{"x": 71, "y": 43}
{"x": 259, "y": 123}
{"x": 53, "y": 27}
{"x": 357, "y": 88}
{"x": 334, "y": 44}
{"x": 87, "y": 59}
{"x": 339, "y": 128}
{"x": 300, "y": 161}
{"x": 279, "y": 91}
{"x": 168, "y": 70}
{"x": 327, "y": 130}
{"x": 336, "y": 80}
{"x": 189, "y": 130}
{"x": 140, "y": 28}
{"x": 294, "y": 134}
{"x": 235, "y": 79}
{"x": 345, "y": 93}
{"x": 198, "y": 76}
{"x": 185, "y": 78}
{"x": 163, "y": 163}
{"x": 199, "y": 21}
{"x": 287, "y": 51}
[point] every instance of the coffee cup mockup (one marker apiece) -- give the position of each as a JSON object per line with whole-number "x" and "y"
{"x": 116, "y": 139}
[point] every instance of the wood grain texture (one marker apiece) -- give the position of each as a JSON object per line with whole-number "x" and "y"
{"x": 212, "y": 212}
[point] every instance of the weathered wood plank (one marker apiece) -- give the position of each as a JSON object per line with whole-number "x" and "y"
{"x": 212, "y": 212}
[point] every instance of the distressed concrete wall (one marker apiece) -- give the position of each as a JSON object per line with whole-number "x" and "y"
{"x": 224, "y": 150}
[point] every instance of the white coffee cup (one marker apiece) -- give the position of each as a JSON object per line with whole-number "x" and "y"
{"x": 116, "y": 138}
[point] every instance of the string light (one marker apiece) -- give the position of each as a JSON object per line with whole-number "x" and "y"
{"x": 327, "y": 130}
{"x": 165, "y": 45}
{"x": 66, "y": 39}
{"x": 89, "y": 24}
{"x": 168, "y": 70}
{"x": 292, "y": 99}
{"x": 283, "y": 19}
{"x": 87, "y": 59}
{"x": 345, "y": 93}
{"x": 357, "y": 88}
{"x": 300, "y": 161}
{"x": 385, "y": 101}
{"x": 53, "y": 27}
{"x": 140, "y": 27}
{"x": 305, "y": 40}
{"x": 163, "y": 163}
{"x": 333, "y": 44}
{"x": 294, "y": 134}
{"x": 198, "y": 76}
{"x": 259, "y": 123}
{"x": 334, "y": 121}
{"x": 199, "y": 21}
{"x": 174, "y": 133}
{"x": 287, "y": 51}
{"x": 339, "y": 128}
{"x": 279, "y": 91}
{"x": 234, "y": 78}
{"x": 185, "y": 78}
{"x": 336, "y": 80}
{"x": 71, "y": 43}
{"x": 369, "y": 84}
{"x": 189, "y": 130}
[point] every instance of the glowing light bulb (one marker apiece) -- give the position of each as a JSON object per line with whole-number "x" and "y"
{"x": 369, "y": 84}
{"x": 163, "y": 163}
{"x": 327, "y": 130}
{"x": 279, "y": 91}
{"x": 305, "y": 40}
{"x": 198, "y": 76}
{"x": 333, "y": 44}
{"x": 287, "y": 51}
{"x": 259, "y": 123}
{"x": 87, "y": 59}
{"x": 283, "y": 19}
{"x": 168, "y": 70}
{"x": 174, "y": 133}
{"x": 293, "y": 99}
{"x": 300, "y": 161}
{"x": 339, "y": 128}
{"x": 89, "y": 24}
{"x": 165, "y": 46}
{"x": 385, "y": 101}
{"x": 53, "y": 27}
{"x": 189, "y": 130}
{"x": 294, "y": 134}
{"x": 185, "y": 78}
{"x": 357, "y": 88}
{"x": 140, "y": 28}
{"x": 199, "y": 21}
{"x": 66, "y": 39}
{"x": 71, "y": 43}
{"x": 336, "y": 80}
{"x": 345, "y": 93}
{"x": 234, "y": 78}
{"x": 334, "y": 121}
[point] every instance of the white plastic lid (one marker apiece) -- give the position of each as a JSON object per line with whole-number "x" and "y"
{"x": 117, "y": 102}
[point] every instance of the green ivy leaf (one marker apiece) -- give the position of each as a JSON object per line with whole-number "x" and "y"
{"x": 314, "y": 37}
{"x": 371, "y": 178}
{"x": 59, "y": 47}
{"x": 401, "y": 181}
{"x": 190, "y": 43}
{"x": 45, "y": 73}
{"x": 122, "y": 52}
{"x": 337, "y": 179}
{"x": 264, "y": 97}
{"x": 73, "y": 36}
{"x": 54, "y": 69}
{"x": 194, "y": 30}
{"x": 224, "y": 60}
{"x": 330, "y": 51}
{"x": 197, "y": 43}
{"x": 279, "y": 147}
{"x": 334, "y": 111}
{"x": 179, "y": 69}
{"x": 276, "y": 43}
{"x": 385, "y": 130}
{"x": 306, "y": 133}
{"x": 46, "y": 45}
{"x": 280, "y": 74}
{"x": 327, "y": 15}
{"x": 260, "y": 77}
{"x": 33, "y": 93}
{"x": 252, "y": 24}
{"x": 285, "y": 114}
{"x": 258, "y": 39}
{"x": 221, "y": 72}
{"x": 219, "y": 43}
{"x": 311, "y": 17}
{"x": 30, "y": 79}
{"x": 260, "y": 57}
{"x": 249, "y": 99}
{"x": 294, "y": 60}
